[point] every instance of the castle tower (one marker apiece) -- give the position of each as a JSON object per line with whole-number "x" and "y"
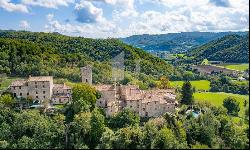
{"x": 86, "y": 73}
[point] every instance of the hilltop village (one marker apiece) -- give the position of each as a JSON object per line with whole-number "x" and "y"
{"x": 114, "y": 98}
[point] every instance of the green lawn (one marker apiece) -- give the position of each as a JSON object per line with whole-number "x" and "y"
{"x": 239, "y": 67}
{"x": 217, "y": 98}
{"x": 199, "y": 85}
{"x": 6, "y": 81}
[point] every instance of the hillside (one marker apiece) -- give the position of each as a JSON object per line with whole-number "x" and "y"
{"x": 30, "y": 53}
{"x": 231, "y": 48}
{"x": 174, "y": 42}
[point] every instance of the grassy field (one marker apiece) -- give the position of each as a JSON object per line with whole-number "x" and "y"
{"x": 217, "y": 99}
{"x": 199, "y": 85}
{"x": 239, "y": 67}
{"x": 5, "y": 82}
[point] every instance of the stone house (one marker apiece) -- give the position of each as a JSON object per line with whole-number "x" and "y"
{"x": 147, "y": 103}
{"x": 41, "y": 88}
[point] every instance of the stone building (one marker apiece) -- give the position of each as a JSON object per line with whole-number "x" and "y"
{"x": 147, "y": 103}
{"x": 41, "y": 88}
{"x": 86, "y": 73}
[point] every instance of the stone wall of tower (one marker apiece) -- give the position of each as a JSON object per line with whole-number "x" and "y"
{"x": 86, "y": 73}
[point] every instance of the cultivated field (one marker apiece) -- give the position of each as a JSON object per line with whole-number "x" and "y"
{"x": 239, "y": 67}
{"x": 217, "y": 99}
{"x": 199, "y": 85}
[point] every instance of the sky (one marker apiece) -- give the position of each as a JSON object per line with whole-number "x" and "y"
{"x": 122, "y": 18}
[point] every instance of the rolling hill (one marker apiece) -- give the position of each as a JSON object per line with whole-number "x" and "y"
{"x": 174, "y": 42}
{"x": 30, "y": 53}
{"x": 230, "y": 49}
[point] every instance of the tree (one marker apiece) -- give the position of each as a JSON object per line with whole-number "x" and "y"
{"x": 124, "y": 118}
{"x": 84, "y": 97}
{"x": 164, "y": 83}
{"x": 7, "y": 100}
{"x": 128, "y": 138}
{"x": 165, "y": 139}
{"x": 106, "y": 141}
{"x": 97, "y": 128}
{"x": 232, "y": 106}
{"x": 187, "y": 94}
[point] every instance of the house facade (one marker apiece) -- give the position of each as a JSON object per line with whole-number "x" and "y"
{"x": 41, "y": 88}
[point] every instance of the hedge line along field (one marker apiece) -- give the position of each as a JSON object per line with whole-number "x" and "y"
{"x": 218, "y": 98}
{"x": 199, "y": 85}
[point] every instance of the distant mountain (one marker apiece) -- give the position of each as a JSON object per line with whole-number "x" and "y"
{"x": 230, "y": 48}
{"x": 175, "y": 42}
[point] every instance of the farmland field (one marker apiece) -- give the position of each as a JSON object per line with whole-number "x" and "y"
{"x": 217, "y": 98}
{"x": 199, "y": 85}
{"x": 239, "y": 67}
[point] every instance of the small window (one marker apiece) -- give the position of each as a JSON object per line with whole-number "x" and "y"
{"x": 43, "y": 86}
{"x": 155, "y": 108}
{"x": 36, "y": 86}
{"x": 130, "y": 106}
{"x": 20, "y": 87}
{"x": 14, "y": 88}
{"x": 36, "y": 92}
{"x": 21, "y": 94}
{"x": 86, "y": 80}
{"x": 155, "y": 102}
{"x": 14, "y": 94}
{"x": 43, "y": 92}
{"x": 36, "y": 96}
{"x": 43, "y": 96}
{"x": 28, "y": 94}
{"x": 143, "y": 109}
{"x": 35, "y": 82}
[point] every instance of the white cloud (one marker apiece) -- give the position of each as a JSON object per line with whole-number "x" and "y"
{"x": 11, "y": 7}
{"x": 86, "y": 12}
{"x": 48, "y": 3}
{"x": 24, "y": 25}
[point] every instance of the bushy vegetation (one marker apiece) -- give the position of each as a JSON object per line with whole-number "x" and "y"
{"x": 33, "y": 129}
{"x": 231, "y": 48}
{"x": 225, "y": 84}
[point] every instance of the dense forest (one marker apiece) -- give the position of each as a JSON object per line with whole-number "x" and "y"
{"x": 175, "y": 42}
{"x": 231, "y": 48}
{"x": 29, "y": 53}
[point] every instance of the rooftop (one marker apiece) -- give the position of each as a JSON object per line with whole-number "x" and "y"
{"x": 18, "y": 82}
{"x": 40, "y": 78}
{"x": 61, "y": 86}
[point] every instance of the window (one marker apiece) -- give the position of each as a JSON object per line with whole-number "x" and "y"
{"x": 155, "y": 108}
{"x": 43, "y": 86}
{"x": 86, "y": 80}
{"x": 28, "y": 94}
{"x": 36, "y": 86}
{"x": 146, "y": 114}
{"x": 130, "y": 106}
{"x": 138, "y": 106}
{"x": 155, "y": 102}
{"x": 20, "y": 87}
{"x": 21, "y": 94}
{"x": 36, "y": 92}
{"x": 143, "y": 109}
{"x": 43, "y": 92}
{"x": 36, "y": 96}
{"x": 14, "y": 94}
{"x": 35, "y": 82}
{"x": 14, "y": 88}
{"x": 43, "y": 96}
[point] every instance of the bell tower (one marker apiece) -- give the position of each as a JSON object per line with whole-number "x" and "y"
{"x": 86, "y": 73}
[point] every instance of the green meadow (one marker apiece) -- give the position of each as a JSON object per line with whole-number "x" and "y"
{"x": 199, "y": 85}
{"x": 218, "y": 98}
{"x": 239, "y": 67}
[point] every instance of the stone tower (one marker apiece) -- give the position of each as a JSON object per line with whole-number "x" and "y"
{"x": 86, "y": 73}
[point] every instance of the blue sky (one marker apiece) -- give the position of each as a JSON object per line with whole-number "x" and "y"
{"x": 121, "y": 18}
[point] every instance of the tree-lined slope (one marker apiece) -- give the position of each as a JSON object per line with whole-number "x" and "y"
{"x": 231, "y": 48}
{"x": 31, "y": 53}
